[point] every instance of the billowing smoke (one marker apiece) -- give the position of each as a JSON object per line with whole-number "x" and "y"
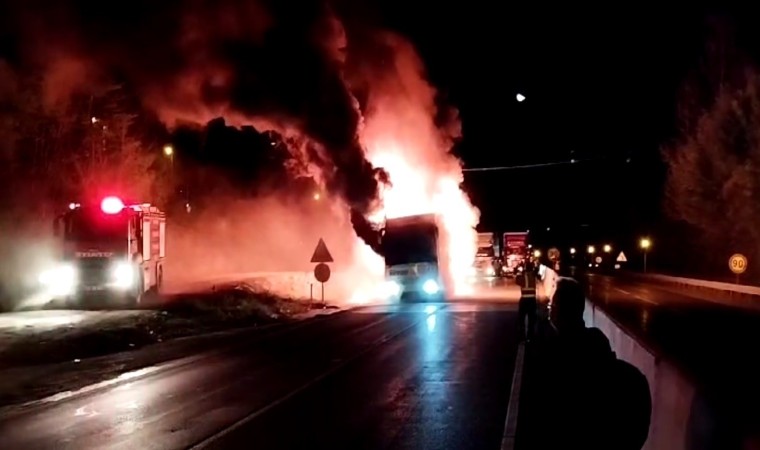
{"x": 408, "y": 134}
{"x": 352, "y": 101}
{"x": 275, "y": 64}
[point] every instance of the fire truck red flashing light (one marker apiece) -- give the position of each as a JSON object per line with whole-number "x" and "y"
{"x": 111, "y": 205}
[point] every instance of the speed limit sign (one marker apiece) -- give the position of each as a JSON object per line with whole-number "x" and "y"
{"x": 737, "y": 263}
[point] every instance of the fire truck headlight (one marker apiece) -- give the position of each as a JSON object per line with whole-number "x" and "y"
{"x": 123, "y": 275}
{"x": 431, "y": 287}
{"x": 59, "y": 280}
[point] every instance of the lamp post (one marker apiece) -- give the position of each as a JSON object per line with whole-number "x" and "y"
{"x": 645, "y": 244}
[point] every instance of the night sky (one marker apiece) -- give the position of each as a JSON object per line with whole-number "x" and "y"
{"x": 601, "y": 84}
{"x": 602, "y": 87}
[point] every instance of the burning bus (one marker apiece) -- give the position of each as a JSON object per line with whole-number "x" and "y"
{"x": 412, "y": 249}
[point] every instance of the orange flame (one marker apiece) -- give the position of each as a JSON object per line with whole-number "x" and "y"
{"x": 400, "y": 135}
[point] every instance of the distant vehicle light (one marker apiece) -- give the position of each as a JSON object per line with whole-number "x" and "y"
{"x": 111, "y": 205}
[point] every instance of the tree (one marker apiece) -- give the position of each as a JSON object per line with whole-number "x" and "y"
{"x": 714, "y": 170}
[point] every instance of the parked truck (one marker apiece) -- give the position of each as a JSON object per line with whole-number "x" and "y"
{"x": 412, "y": 249}
{"x": 515, "y": 252}
{"x": 110, "y": 252}
{"x": 486, "y": 261}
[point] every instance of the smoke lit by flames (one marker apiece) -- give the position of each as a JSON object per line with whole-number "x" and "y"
{"x": 401, "y": 136}
{"x": 295, "y": 71}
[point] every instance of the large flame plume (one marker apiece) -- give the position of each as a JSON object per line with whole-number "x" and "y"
{"x": 352, "y": 100}
{"x": 406, "y": 134}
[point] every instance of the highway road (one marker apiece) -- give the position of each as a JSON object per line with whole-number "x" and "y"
{"x": 403, "y": 377}
{"x": 713, "y": 338}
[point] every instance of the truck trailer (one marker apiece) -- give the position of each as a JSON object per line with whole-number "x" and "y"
{"x": 485, "y": 265}
{"x": 515, "y": 253}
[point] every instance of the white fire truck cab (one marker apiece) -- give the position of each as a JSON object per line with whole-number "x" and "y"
{"x": 111, "y": 251}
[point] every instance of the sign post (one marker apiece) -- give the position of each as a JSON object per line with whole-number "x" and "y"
{"x": 738, "y": 265}
{"x": 321, "y": 270}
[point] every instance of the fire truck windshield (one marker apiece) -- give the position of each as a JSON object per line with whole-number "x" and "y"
{"x": 408, "y": 246}
{"x": 92, "y": 225}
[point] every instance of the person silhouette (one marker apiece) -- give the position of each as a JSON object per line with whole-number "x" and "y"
{"x": 590, "y": 399}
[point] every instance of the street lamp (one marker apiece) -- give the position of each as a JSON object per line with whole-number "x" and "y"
{"x": 520, "y": 98}
{"x": 645, "y": 244}
{"x": 537, "y": 254}
{"x": 607, "y": 248}
{"x": 591, "y": 249}
{"x": 168, "y": 151}
{"x": 572, "y": 250}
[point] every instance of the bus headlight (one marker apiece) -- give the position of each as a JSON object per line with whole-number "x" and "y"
{"x": 123, "y": 275}
{"x": 431, "y": 287}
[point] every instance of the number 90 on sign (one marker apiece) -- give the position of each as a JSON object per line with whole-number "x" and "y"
{"x": 737, "y": 263}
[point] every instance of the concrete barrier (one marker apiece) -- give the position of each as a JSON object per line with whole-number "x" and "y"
{"x": 680, "y": 418}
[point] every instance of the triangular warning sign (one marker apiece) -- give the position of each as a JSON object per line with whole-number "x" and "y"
{"x": 621, "y": 257}
{"x": 321, "y": 253}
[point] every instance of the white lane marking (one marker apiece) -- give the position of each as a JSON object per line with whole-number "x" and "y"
{"x": 510, "y": 424}
{"x": 305, "y": 387}
{"x": 645, "y": 300}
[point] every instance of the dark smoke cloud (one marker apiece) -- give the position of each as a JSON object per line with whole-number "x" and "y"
{"x": 274, "y": 63}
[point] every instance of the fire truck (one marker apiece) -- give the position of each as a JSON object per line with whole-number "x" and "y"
{"x": 110, "y": 251}
{"x": 411, "y": 247}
